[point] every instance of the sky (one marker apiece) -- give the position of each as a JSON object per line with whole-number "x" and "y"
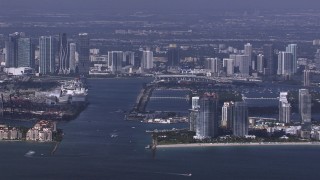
{"x": 154, "y": 5}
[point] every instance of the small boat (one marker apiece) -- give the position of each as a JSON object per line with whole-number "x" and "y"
{"x": 148, "y": 147}
{"x": 113, "y": 135}
{"x": 30, "y": 153}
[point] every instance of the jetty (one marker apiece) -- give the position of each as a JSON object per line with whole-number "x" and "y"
{"x": 139, "y": 109}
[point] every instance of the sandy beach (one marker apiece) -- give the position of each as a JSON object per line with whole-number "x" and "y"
{"x": 239, "y": 144}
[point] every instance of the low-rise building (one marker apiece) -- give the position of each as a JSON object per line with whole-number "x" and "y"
{"x": 9, "y": 133}
{"x": 42, "y": 131}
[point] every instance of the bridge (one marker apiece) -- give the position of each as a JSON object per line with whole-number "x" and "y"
{"x": 173, "y": 98}
{"x": 261, "y": 98}
{"x": 188, "y": 77}
{"x": 244, "y": 98}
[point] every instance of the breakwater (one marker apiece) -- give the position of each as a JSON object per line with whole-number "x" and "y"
{"x": 139, "y": 109}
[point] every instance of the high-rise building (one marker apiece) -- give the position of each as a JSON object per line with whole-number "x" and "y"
{"x": 11, "y": 46}
{"x": 25, "y": 53}
{"x": 306, "y": 78}
{"x": 317, "y": 59}
{"x": 64, "y": 63}
{"x": 115, "y": 59}
{"x": 84, "y": 54}
{"x": 260, "y": 63}
{"x": 244, "y": 64}
{"x": 292, "y": 48}
{"x": 195, "y": 102}
{"x": 193, "y": 117}
{"x": 270, "y": 64}
{"x": 236, "y": 59}
{"x": 147, "y": 60}
{"x": 240, "y": 122}
{"x": 194, "y": 113}
{"x": 212, "y": 64}
{"x": 233, "y": 56}
{"x": 72, "y": 57}
{"x": 248, "y": 52}
{"x": 228, "y": 65}
{"x": 129, "y": 58}
{"x": 284, "y": 108}
{"x": 2, "y": 56}
{"x": 305, "y": 105}
{"x": 254, "y": 62}
{"x": 285, "y": 63}
{"x": 227, "y": 110}
{"x": 207, "y": 122}
{"x": 47, "y": 55}
{"x": 173, "y": 55}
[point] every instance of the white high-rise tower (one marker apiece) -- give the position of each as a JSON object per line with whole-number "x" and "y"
{"x": 292, "y": 48}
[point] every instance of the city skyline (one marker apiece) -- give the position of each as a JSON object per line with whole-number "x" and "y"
{"x": 157, "y": 5}
{"x": 146, "y": 89}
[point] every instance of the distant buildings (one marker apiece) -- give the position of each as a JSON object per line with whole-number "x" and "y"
{"x": 305, "y": 106}
{"x": 305, "y": 113}
{"x": 292, "y": 48}
{"x": 72, "y": 57}
{"x": 285, "y": 60}
{"x": 25, "y": 53}
{"x": 47, "y": 55}
{"x": 270, "y": 65}
{"x": 284, "y": 108}
{"x": 11, "y": 46}
{"x": 228, "y": 65}
{"x": 260, "y": 63}
{"x": 240, "y": 121}
{"x": 115, "y": 59}
{"x": 316, "y": 42}
{"x": 227, "y": 115}
{"x": 129, "y": 58}
{"x": 42, "y": 131}
{"x": 193, "y": 117}
{"x": 306, "y": 78}
{"x": 195, "y": 102}
{"x": 213, "y": 65}
{"x": 147, "y": 60}
{"x": 248, "y": 52}
{"x": 207, "y": 122}
{"x": 84, "y": 54}
{"x": 243, "y": 62}
{"x": 19, "y": 51}
{"x": 64, "y": 62}
{"x": 8, "y": 133}
{"x": 173, "y": 55}
{"x": 194, "y": 113}
{"x": 55, "y": 54}
{"x": 317, "y": 59}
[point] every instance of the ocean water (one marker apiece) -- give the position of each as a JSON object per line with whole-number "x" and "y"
{"x": 89, "y": 152}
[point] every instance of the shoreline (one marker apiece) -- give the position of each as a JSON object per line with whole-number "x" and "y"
{"x": 238, "y": 144}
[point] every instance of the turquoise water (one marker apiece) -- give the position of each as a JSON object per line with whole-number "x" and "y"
{"x": 89, "y": 152}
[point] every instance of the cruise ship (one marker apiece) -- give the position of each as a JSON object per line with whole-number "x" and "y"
{"x": 74, "y": 90}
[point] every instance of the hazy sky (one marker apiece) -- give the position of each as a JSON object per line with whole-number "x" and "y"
{"x": 155, "y": 4}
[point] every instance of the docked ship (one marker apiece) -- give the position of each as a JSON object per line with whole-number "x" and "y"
{"x": 75, "y": 91}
